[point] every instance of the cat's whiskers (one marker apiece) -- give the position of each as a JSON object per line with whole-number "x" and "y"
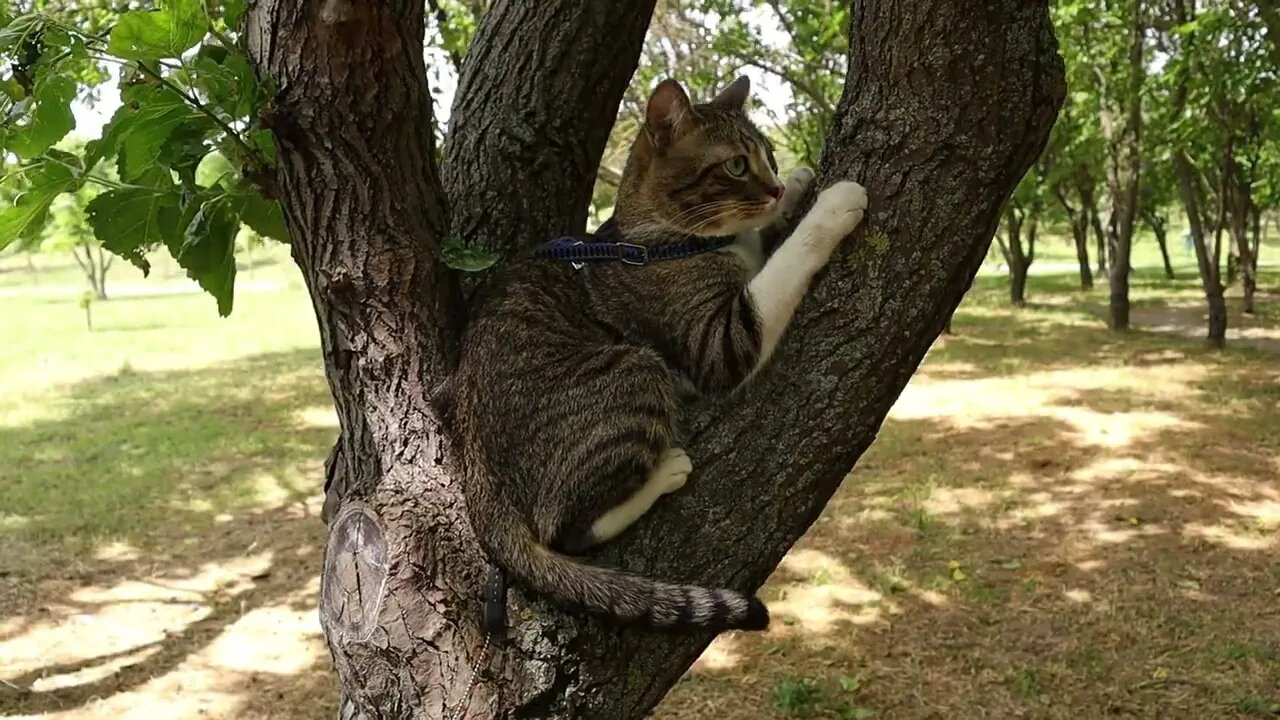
{"x": 693, "y": 212}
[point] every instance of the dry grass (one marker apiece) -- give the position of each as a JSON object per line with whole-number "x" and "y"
{"x": 1056, "y": 522}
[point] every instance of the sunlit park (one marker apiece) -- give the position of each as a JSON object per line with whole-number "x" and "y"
{"x": 1017, "y": 456}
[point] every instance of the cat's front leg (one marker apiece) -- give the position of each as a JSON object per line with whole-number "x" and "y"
{"x": 777, "y": 290}
{"x": 798, "y": 183}
{"x": 771, "y": 235}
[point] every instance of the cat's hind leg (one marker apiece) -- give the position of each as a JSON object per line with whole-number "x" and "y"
{"x": 669, "y": 475}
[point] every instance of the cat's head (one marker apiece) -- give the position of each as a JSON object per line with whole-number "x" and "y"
{"x": 698, "y": 169}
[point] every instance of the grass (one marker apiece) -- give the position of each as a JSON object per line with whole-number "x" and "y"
{"x": 1056, "y": 521}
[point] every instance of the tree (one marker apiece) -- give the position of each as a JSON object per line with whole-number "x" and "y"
{"x": 1120, "y": 81}
{"x": 1222, "y": 92}
{"x": 68, "y": 231}
{"x": 1021, "y": 220}
{"x": 1077, "y": 140}
{"x": 375, "y": 223}
{"x": 1155, "y": 195}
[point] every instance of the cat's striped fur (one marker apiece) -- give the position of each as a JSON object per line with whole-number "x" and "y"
{"x": 563, "y": 406}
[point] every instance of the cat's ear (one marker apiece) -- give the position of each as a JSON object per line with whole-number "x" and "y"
{"x": 734, "y": 96}
{"x": 668, "y": 108}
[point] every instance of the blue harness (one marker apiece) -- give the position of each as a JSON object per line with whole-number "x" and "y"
{"x": 578, "y": 252}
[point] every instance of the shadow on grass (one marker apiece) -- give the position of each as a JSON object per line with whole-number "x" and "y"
{"x": 160, "y": 529}
{"x": 1056, "y": 521}
{"x": 152, "y": 458}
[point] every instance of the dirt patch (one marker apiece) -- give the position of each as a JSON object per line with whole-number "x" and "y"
{"x": 1056, "y": 521}
{"x": 1192, "y": 321}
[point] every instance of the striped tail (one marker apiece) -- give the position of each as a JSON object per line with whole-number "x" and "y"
{"x": 629, "y": 598}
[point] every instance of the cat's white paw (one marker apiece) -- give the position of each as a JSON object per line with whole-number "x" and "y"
{"x": 797, "y": 184}
{"x": 672, "y": 471}
{"x": 839, "y": 209}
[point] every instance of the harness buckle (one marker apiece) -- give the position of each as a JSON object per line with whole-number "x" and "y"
{"x": 577, "y": 265}
{"x": 642, "y": 250}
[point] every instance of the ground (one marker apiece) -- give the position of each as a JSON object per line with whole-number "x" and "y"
{"x": 1056, "y": 521}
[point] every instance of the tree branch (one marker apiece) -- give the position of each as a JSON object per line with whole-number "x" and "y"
{"x": 531, "y": 118}
{"x": 795, "y": 80}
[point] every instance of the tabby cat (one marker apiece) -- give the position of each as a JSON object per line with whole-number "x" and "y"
{"x": 563, "y": 407}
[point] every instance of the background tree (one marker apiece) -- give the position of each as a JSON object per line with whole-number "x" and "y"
{"x": 68, "y": 231}
{"x": 1020, "y": 225}
{"x": 1120, "y": 75}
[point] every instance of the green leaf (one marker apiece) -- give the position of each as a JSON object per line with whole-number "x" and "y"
{"x": 227, "y": 80}
{"x": 466, "y": 258}
{"x": 49, "y": 122}
{"x": 130, "y": 221}
{"x": 263, "y": 216}
{"x": 215, "y": 168}
{"x": 140, "y": 129}
{"x": 233, "y": 10}
{"x": 154, "y": 34}
{"x": 208, "y": 250}
{"x": 19, "y": 29}
{"x": 264, "y": 142}
{"x": 185, "y": 147}
{"x": 46, "y": 179}
{"x": 850, "y": 683}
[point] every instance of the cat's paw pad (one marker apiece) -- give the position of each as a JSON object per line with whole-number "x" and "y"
{"x": 672, "y": 471}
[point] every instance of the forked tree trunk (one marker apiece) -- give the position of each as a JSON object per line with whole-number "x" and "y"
{"x": 400, "y": 592}
{"x": 93, "y": 269}
{"x": 1078, "y": 219}
{"x": 1015, "y": 256}
{"x": 1159, "y": 225}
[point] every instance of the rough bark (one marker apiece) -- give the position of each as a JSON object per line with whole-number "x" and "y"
{"x": 946, "y": 106}
{"x": 536, "y": 100}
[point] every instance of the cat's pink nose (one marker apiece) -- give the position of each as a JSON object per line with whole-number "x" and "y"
{"x": 777, "y": 191}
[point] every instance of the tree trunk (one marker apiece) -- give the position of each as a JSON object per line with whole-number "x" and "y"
{"x": 1239, "y": 200}
{"x": 1206, "y": 256}
{"x": 1015, "y": 256}
{"x": 90, "y": 265}
{"x": 1080, "y": 233}
{"x": 104, "y": 264}
{"x": 401, "y": 586}
{"x": 1124, "y": 161}
{"x": 1095, "y": 221}
{"x": 1159, "y": 225}
{"x": 1078, "y": 219}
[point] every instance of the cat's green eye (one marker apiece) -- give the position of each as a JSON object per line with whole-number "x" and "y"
{"x": 736, "y": 166}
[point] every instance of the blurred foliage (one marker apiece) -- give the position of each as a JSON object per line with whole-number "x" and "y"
{"x": 185, "y": 162}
